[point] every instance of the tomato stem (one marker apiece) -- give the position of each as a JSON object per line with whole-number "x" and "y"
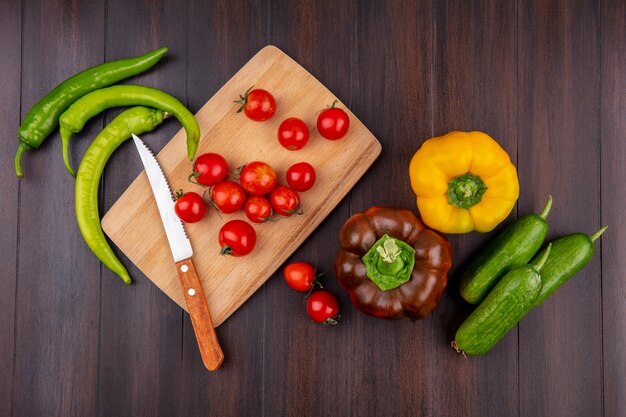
{"x": 243, "y": 99}
{"x": 217, "y": 210}
{"x": 315, "y": 283}
{"x": 226, "y": 250}
{"x": 193, "y": 178}
{"x": 332, "y": 321}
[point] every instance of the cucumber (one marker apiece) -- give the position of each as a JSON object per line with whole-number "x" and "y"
{"x": 502, "y": 309}
{"x": 569, "y": 254}
{"x": 513, "y": 247}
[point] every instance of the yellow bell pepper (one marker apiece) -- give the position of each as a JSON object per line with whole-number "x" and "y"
{"x": 464, "y": 181}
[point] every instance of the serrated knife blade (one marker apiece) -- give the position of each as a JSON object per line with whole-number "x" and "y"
{"x": 174, "y": 229}
{"x": 210, "y": 349}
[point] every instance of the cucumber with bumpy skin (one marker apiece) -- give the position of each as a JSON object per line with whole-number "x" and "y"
{"x": 502, "y": 309}
{"x": 569, "y": 255}
{"x": 513, "y": 247}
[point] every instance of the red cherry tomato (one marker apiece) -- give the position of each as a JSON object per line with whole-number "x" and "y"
{"x": 259, "y": 105}
{"x": 301, "y": 176}
{"x": 285, "y": 201}
{"x": 257, "y": 178}
{"x": 237, "y": 238}
{"x": 228, "y": 197}
{"x": 300, "y": 276}
{"x": 333, "y": 123}
{"x": 210, "y": 168}
{"x": 190, "y": 207}
{"x": 323, "y": 307}
{"x": 258, "y": 209}
{"x": 293, "y": 133}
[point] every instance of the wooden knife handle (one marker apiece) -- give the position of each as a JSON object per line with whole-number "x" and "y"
{"x": 210, "y": 349}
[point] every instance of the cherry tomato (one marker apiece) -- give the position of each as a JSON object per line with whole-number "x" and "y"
{"x": 293, "y": 133}
{"x": 285, "y": 201}
{"x": 333, "y": 123}
{"x": 259, "y": 105}
{"x": 210, "y": 168}
{"x": 237, "y": 238}
{"x": 301, "y": 176}
{"x": 258, "y": 209}
{"x": 323, "y": 307}
{"x": 228, "y": 196}
{"x": 190, "y": 207}
{"x": 300, "y": 276}
{"x": 257, "y": 178}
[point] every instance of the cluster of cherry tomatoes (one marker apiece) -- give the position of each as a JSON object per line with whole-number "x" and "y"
{"x": 321, "y": 305}
{"x": 257, "y": 193}
{"x": 293, "y": 133}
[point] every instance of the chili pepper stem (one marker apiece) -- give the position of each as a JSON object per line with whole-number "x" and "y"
{"x": 22, "y": 147}
{"x": 543, "y": 259}
{"x": 65, "y": 144}
{"x": 597, "y": 234}
{"x": 547, "y": 208}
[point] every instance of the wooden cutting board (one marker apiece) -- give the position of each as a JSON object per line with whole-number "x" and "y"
{"x": 134, "y": 225}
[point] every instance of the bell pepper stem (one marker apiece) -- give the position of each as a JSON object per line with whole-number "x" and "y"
{"x": 389, "y": 262}
{"x": 389, "y": 251}
{"x": 543, "y": 259}
{"x": 547, "y": 208}
{"x": 597, "y": 234}
{"x": 465, "y": 191}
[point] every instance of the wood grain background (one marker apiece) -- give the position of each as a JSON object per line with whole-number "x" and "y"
{"x": 546, "y": 78}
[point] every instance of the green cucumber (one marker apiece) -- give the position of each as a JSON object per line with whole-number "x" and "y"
{"x": 569, "y": 255}
{"x": 513, "y": 247}
{"x": 502, "y": 309}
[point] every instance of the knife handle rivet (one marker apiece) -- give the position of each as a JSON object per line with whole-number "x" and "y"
{"x": 184, "y": 268}
{"x": 191, "y": 292}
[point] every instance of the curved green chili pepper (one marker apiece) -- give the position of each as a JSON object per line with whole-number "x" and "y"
{"x": 136, "y": 120}
{"x": 74, "y": 118}
{"x": 43, "y": 117}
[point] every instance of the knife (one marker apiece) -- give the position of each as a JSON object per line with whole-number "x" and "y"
{"x": 210, "y": 349}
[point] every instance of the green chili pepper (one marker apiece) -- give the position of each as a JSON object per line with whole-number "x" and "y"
{"x": 75, "y": 117}
{"x": 43, "y": 117}
{"x": 135, "y": 120}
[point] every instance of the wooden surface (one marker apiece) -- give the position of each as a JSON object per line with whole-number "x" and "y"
{"x": 134, "y": 224}
{"x": 546, "y": 78}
